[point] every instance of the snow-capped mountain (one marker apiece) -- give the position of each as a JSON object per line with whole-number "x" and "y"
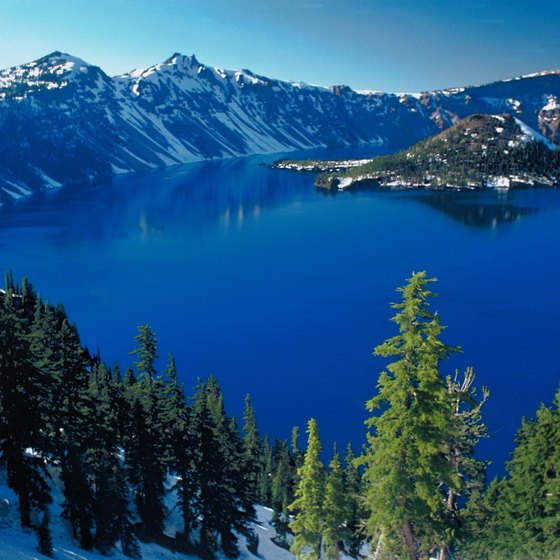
{"x": 63, "y": 120}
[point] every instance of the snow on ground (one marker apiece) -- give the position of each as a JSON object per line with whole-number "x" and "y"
{"x": 19, "y": 544}
{"x": 531, "y": 134}
{"x": 344, "y": 182}
{"x": 499, "y": 182}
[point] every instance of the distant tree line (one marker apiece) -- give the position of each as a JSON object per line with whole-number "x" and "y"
{"x": 121, "y": 446}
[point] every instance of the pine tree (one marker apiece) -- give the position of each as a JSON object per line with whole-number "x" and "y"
{"x": 307, "y": 525}
{"x": 461, "y": 449}
{"x": 406, "y": 463}
{"x": 222, "y": 503}
{"x": 146, "y": 447}
{"x": 111, "y": 508}
{"x": 264, "y": 482}
{"x": 281, "y": 489}
{"x": 74, "y": 437}
{"x": 335, "y": 507}
{"x": 177, "y": 420}
{"x": 252, "y": 447}
{"x": 24, "y": 390}
{"x": 521, "y": 515}
{"x": 297, "y": 453}
{"x": 355, "y": 514}
{"x": 146, "y": 350}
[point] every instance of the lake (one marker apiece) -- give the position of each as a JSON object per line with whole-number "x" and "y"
{"x": 283, "y": 291}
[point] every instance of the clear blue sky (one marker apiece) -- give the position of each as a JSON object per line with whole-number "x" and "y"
{"x": 393, "y": 45}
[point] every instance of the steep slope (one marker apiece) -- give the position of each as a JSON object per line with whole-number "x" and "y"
{"x": 478, "y": 151}
{"x": 65, "y": 121}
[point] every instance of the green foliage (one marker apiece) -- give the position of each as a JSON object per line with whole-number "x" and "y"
{"x": 307, "y": 525}
{"x": 222, "y": 502}
{"x": 355, "y": 514}
{"x": 114, "y": 440}
{"x": 519, "y": 516}
{"x": 252, "y": 448}
{"x": 406, "y": 463}
{"x": 264, "y": 482}
{"x": 335, "y": 508}
{"x": 282, "y": 488}
{"x": 24, "y": 396}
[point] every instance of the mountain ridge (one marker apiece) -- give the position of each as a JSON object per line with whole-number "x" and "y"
{"x": 64, "y": 120}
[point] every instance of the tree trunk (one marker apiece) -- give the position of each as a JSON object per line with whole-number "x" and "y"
{"x": 409, "y": 540}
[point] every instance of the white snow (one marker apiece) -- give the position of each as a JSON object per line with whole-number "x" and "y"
{"x": 499, "y": 182}
{"x": 17, "y": 544}
{"x": 552, "y": 104}
{"x": 344, "y": 182}
{"x": 531, "y": 134}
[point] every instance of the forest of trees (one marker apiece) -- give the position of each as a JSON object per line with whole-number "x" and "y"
{"x": 119, "y": 443}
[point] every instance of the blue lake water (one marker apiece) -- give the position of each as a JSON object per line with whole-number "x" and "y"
{"x": 283, "y": 291}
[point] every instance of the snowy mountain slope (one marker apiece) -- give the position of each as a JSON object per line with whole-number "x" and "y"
{"x": 17, "y": 544}
{"x": 63, "y": 120}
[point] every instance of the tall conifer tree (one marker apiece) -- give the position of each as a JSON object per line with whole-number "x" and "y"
{"x": 406, "y": 463}
{"x": 252, "y": 447}
{"x": 307, "y": 507}
{"x": 335, "y": 507}
{"x": 147, "y": 452}
{"x": 23, "y": 401}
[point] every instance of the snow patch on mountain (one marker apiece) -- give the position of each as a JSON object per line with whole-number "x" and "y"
{"x": 530, "y": 134}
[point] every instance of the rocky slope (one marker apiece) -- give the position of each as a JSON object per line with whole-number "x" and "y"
{"x": 64, "y": 121}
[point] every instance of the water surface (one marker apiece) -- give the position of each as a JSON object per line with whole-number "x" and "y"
{"x": 283, "y": 291}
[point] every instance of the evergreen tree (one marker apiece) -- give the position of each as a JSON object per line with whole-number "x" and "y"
{"x": 297, "y": 453}
{"x": 355, "y": 514}
{"x": 146, "y": 447}
{"x": 406, "y": 463}
{"x": 146, "y": 350}
{"x": 23, "y": 394}
{"x": 252, "y": 447}
{"x": 307, "y": 525}
{"x": 521, "y": 519}
{"x": 264, "y": 481}
{"x": 281, "y": 489}
{"x": 75, "y": 436}
{"x": 177, "y": 421}
{"x": 222, "y": 503}
{"x": 461, "y": 448}
{"x": 111, "y": 508}
{"x": 335, "y": 507}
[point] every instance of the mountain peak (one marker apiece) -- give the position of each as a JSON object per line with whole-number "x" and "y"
{"x": 178, "y": 57}
{"x": 59, "y": 57}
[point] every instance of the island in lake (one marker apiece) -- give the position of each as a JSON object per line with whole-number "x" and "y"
{"x": 476, "y": 152}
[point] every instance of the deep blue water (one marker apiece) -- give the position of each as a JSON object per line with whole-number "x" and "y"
{"x": 283, "y": 291}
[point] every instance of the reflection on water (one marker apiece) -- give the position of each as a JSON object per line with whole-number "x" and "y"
{"x": 477, "y": 208}
{"x": 487, "y": 210}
